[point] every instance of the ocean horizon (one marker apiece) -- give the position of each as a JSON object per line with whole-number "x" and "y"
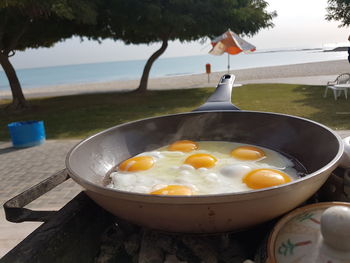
{"x": 163, "y": 67}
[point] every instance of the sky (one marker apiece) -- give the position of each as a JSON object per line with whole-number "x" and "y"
{"x": 299, "y": 24}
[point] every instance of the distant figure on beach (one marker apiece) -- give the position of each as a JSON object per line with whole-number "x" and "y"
{"x": 349, "y": 50}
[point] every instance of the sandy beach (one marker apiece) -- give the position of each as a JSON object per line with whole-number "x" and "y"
{"x": 316, "y": 73}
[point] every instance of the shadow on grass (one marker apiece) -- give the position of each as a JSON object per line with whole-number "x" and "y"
{"x": 79, "y": 116}
{"x": 328, "y": 111}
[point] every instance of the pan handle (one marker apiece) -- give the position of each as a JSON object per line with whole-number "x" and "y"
{"x": 14, "y": 208}
{"x": 221, "y": 98}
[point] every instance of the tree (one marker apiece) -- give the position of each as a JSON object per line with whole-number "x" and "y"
{"x": 339, "y": 10}
{"x": 37, "y": 23}
{"x": 149, "y": 21}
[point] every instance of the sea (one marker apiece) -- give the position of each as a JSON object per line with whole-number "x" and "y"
{"x": 164, "y": 67}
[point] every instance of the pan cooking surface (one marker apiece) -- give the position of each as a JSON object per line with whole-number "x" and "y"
{"x": 206, "y": 167}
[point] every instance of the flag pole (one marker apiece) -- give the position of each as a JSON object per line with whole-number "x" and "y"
{"x": 228, "y": 63}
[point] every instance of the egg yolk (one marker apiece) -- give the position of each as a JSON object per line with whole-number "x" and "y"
{"x": 183, "y": 146}
{"x": 137, "y": 163}
{"x": 263, "y": 178}
{"x": 173, "y": 190}
{"x": 247, "y": 153}
{"x": 200, "y": 160}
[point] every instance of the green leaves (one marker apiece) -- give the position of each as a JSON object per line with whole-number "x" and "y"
{"x": 142, "y": 21}
{"x": 133, "y": 21}
{"x": 339, "y": 10}
{"x": 63, "y": 9}
{"x": 42, "y": 23}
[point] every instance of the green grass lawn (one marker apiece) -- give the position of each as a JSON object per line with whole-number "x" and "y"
{"x": 82, "y": 115}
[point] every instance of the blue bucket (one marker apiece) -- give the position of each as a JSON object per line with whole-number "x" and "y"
{"x": 27, "y": 133}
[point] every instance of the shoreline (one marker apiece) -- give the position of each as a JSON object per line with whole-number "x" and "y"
{"x": 314, "y": 73}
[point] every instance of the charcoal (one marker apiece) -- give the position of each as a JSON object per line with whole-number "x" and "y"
{"x": 235, "y": 246}
{"x": 202, "y": 248}
{"x": 132, "y": 244}
{"x": 149, "y": 252}
{"x": 167, "y": 243}
{"x": 127, "y": 228}
{"x": 224, "y": 241}
{"x": 184, "y": 253}
{"x": 111, "y": 245}
{"x": 125, "y": 242}
{"x": 173, "y": 259}
{"x": 228, "y": 257}
{"x": 134, "y": 258}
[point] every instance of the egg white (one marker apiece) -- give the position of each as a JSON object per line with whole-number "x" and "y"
{"x": 225, "y": 177}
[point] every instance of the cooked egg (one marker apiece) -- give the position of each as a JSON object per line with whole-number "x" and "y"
{"x": 247, "y": 153}
{"x": 183, "y": 146}
{"x": 173, "y": 190}
{"x": 263, "y": 178}
{"x": 235, "y": 170}
{"x": 212, "y": 167}
{"x": 137, "y": 163}
{"x": 201, "y": 160}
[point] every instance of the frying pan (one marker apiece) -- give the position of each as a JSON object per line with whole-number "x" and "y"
{"x": 315, "y": 146}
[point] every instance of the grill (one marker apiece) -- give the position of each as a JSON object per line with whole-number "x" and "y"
{"x": 83, "y": 232}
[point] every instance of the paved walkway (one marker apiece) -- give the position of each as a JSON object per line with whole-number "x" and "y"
{"x": 23, "y": 168}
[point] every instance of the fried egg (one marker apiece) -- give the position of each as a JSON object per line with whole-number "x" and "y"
{"x": 183, "y": 146}
{"x": 201, "y": 168}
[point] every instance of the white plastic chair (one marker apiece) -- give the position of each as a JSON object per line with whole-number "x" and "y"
{"x": 340, "y": 80}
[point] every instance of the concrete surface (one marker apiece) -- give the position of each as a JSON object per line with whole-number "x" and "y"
{"x": 22, "y": 168}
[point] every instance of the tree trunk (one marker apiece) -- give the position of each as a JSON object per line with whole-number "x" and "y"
{"x": 144, "y": 79}
{"x": 18, "y": 100}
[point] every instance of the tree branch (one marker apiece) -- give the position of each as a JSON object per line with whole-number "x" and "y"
{"x": 2, "y": 29}
{"x": 11, "y": 53}
{"x": 16, "y": 39}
